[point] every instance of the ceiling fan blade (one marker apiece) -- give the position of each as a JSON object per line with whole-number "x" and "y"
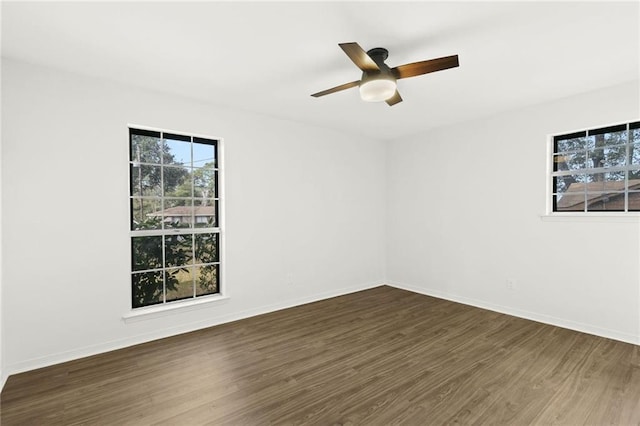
{"x": 424, "y": 67}
{"x": 359, "y": 57}
{"x": 337, "y": 89}
{"x": 396, "y": 98}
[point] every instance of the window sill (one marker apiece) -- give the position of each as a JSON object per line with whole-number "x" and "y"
{"x": 621, "y": 217}
{"x": 158, "y": 311}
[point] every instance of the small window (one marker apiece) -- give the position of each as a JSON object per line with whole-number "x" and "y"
{"x": 597, "y": 170}
{"x": 174, "y": 217}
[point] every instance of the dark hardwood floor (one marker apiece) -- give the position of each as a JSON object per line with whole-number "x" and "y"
{"x": 377, "y": 357}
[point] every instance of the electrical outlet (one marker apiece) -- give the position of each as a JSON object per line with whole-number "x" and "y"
{"x": 511, "y": 285}
{"x": 289, "y": 278}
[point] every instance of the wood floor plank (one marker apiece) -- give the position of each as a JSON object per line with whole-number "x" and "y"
{"x": 378, "y": 357}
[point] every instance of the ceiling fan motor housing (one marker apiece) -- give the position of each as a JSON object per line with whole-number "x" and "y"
{"x": 379, "y": 55}
{"x": 377, "y": 89}
{"x": 377, "y": 85}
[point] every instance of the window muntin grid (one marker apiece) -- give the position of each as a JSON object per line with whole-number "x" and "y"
{"x": 174, "y": 216}
{"x": 597, "y": 170}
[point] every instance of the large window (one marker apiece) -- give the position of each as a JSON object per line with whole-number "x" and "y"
{"x": 174, "y": 211}
{"x": 597, "y": 170}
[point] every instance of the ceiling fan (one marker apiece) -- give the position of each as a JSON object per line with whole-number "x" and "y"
{"x": 378, "y": 82}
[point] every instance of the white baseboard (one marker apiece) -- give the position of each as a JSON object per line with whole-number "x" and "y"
{"x": 3, "y": 380}
{"x": 533, "y": 316}
{"x": 83, "y": 352}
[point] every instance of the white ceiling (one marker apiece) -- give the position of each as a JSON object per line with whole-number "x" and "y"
{"x": 269, "y": 57}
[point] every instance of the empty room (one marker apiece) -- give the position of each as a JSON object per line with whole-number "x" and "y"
{"x": 323, "y": 213}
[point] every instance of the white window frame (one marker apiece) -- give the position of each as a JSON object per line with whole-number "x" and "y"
{"x": 552, "y": 215}
{"x": 196, "y": 302}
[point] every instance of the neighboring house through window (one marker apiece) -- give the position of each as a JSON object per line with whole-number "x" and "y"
{"x": 174, "y": 216}
{"x": 597, "y": 170}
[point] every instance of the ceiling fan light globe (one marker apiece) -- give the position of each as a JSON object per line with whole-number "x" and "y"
{"x": 377, "y": 90}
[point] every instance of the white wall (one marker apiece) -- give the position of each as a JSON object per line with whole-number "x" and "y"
{"x": 462, "y": 216}
{"x": 3, "y": 376}
{"x": 465, "y": 205}
{"x": 301, "y": 202}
